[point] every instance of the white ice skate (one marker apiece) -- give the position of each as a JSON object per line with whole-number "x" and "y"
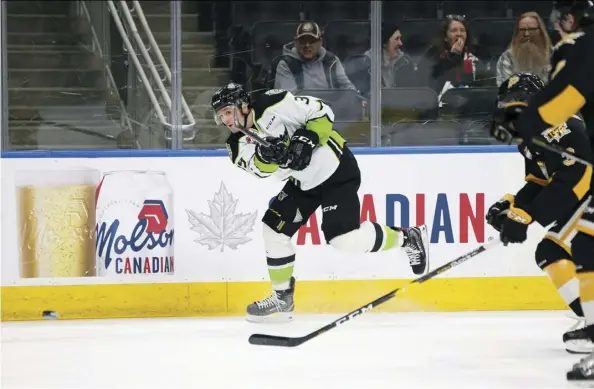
{"x": 576, "y": 340}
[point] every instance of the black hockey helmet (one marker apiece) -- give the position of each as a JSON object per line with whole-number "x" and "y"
{"x": 519, "y": 87}
{"x": 231, "y": 94}
{"x": 512, "y": 97}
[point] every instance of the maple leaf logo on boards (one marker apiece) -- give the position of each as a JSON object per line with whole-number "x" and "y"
{"x": 223, "y": 227}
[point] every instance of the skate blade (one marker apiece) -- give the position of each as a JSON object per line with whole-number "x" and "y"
{"x": 578, "y": 377}
{"x": 279, "y": 317}
{"x": 579, "y": 347}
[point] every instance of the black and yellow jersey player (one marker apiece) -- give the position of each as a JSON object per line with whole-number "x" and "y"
{"x": 570, "y": 92}
{"x": 556, "y": 193}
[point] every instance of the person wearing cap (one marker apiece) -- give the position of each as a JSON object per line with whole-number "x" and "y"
{"x": 306, "y": 64}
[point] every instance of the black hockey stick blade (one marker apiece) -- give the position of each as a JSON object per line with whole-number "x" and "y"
{"x": 271, "y": 340}
{"x": 281, "y": 341}
{"x": 284, "y": 341}
{"x": 560, "y": 151}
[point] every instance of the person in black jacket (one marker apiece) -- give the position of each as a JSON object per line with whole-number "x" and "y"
{"x": 397, "y": 67}
{"x": 450, "y": 62}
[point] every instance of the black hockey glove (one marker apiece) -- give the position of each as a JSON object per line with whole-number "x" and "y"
{"x": 497, "y": 213}
{"x": 515, "y": 226}
{"x": 276, "y": 153}
{"x": 301, "y": 148}
{"x": 502, "y": 127}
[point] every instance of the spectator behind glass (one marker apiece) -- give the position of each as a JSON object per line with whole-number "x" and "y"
{"x": 529, "y": 50}
{"x": 563, "y": 22}
{"x": 397, "y": 67}
{"x": 450, "y": 62}
{"x": 305, "y": 64}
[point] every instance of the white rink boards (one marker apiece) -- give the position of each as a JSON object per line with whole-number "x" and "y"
{"x": 217, "y": 264}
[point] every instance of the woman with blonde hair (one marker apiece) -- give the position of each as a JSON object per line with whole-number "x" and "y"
{"x": 529, "y": 50}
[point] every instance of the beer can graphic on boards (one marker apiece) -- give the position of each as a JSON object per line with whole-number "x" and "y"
{"x": 56, "y": 222}
{"x": 134, "y": 228}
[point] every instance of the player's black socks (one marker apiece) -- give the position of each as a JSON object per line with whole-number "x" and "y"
{"x": 576, "y": 307}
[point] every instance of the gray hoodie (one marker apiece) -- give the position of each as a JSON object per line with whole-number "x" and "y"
{"x": 313, "y": 72}
{"x": 389, "y": 70}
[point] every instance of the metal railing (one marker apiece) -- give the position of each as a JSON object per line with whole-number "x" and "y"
{"x": 97, "y": 45}
{"x": 133, "y": 30}
{"x": 3, "y": 79}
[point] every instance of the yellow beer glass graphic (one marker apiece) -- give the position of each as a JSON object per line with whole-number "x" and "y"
{"x": 56, "y": 222}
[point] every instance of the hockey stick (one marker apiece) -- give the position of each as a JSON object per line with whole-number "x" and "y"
{"x": 283, "y": 341}
{"x": 559, "y": 151}
{"x": 258, "y": 139}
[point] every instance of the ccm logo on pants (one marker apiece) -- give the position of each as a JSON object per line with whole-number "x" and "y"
{"x": 329, "y": 208}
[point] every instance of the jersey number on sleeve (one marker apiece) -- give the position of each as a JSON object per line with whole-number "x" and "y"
{"x": 306, "y": 101}
{"x": 242, "y": 164}
{"x": 567, "y": 161}
{"x": 302, "y": 98}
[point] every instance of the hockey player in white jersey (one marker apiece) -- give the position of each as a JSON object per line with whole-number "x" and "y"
{"x": 321, "y": 171}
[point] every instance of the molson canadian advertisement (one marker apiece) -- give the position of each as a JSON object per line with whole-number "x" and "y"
{"x": 139, "y": 235}
{"x": 77, "y": 220}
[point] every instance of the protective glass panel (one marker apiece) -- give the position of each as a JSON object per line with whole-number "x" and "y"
{"x": 204, "y": 68}
{"x": 440, "y": 68}
{"x": 72, "y": 80}
{"x": 254, "y": 44}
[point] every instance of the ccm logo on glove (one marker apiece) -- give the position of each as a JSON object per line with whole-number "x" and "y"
{"x": 519, "y": 216}
{"x": 303, "y": 143}
{"x": 303, "y": 139}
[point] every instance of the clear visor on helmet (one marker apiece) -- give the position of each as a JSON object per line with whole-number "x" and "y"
{"x": 230, "y": 114}
{"x": 221, "y": 113}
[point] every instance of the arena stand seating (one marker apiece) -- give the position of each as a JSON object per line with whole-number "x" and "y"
{"x": 260, "y": 29}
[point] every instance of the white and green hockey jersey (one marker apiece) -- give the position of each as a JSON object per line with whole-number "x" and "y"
{"x": 279, "y": 113}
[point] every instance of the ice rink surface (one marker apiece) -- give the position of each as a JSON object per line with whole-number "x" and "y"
{"x": 376, "y": 350}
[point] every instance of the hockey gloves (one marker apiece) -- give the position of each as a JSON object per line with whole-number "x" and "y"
{"x": 515, "y": 226}
{"x": 301, "y": 148}
{"x": 502, "y": 127}
{"x": 277, "y": 153}
{"x": 497, "y": 213}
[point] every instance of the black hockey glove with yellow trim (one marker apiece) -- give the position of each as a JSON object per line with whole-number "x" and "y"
{"x": 502, "y": 126}
{"x": 303, "y": 142}
{"x": 515, "y": 226}
{"x": 497, "y": 212}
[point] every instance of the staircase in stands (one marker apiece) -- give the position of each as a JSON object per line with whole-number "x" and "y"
{"x": 58, "y": 93}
